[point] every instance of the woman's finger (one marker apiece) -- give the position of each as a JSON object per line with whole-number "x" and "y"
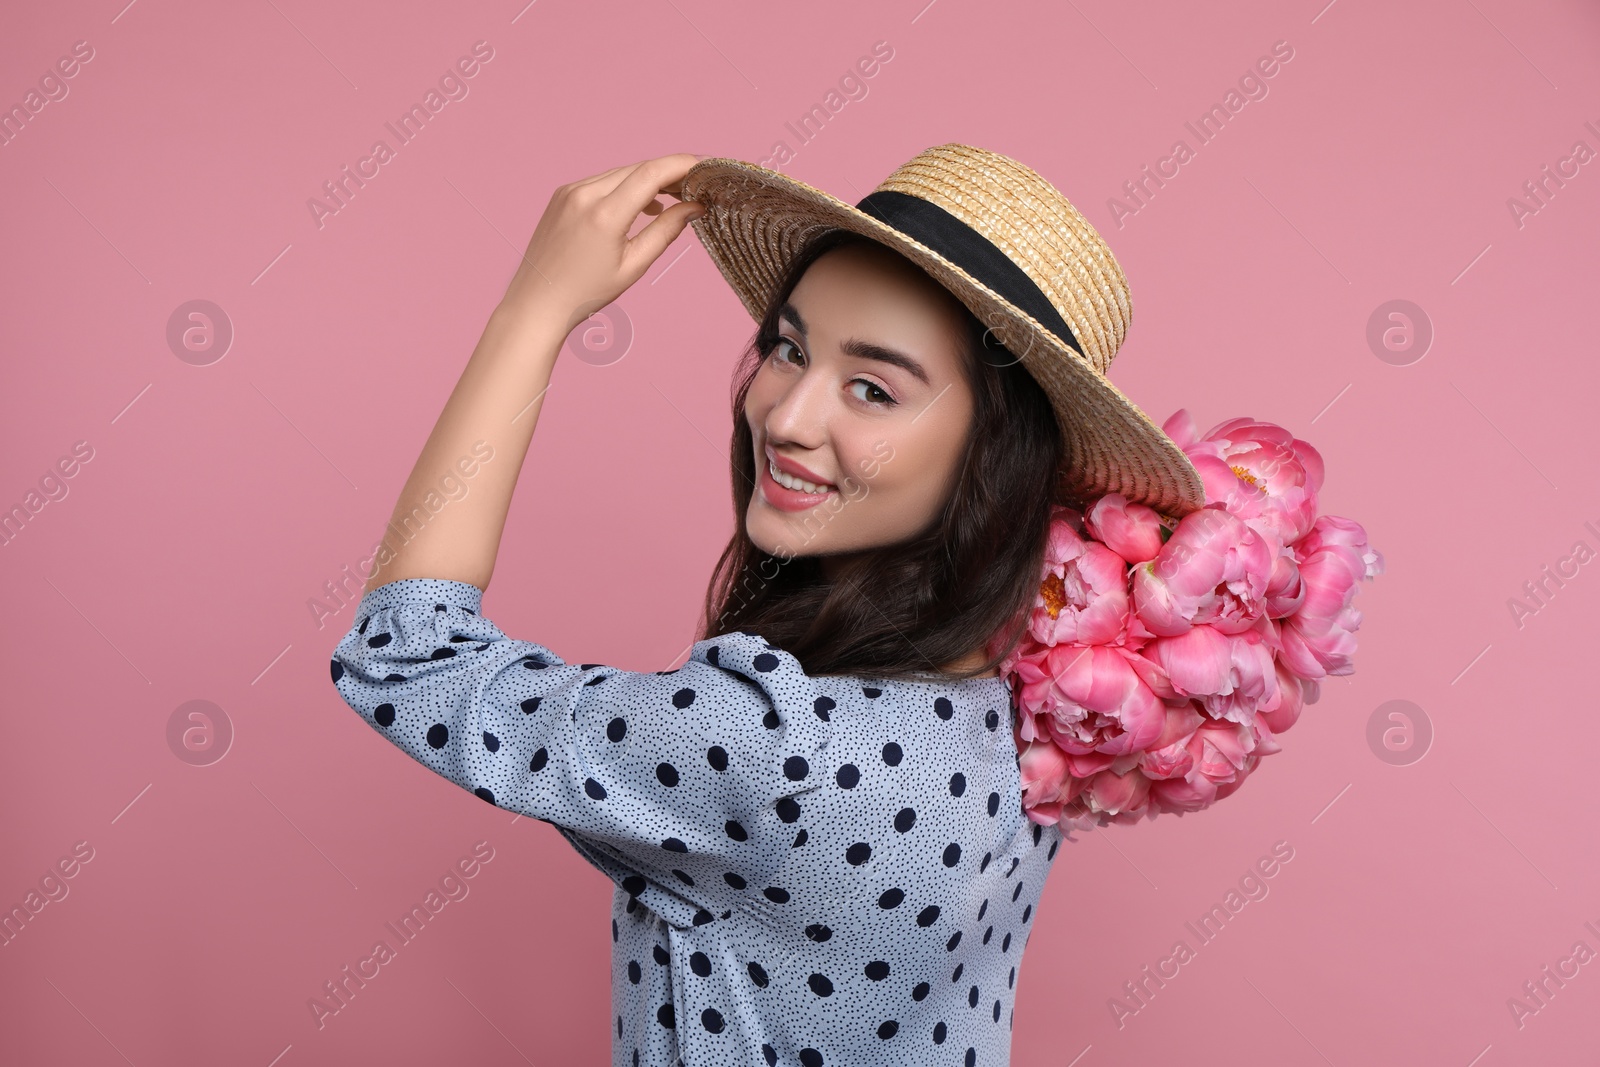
{"x": 649, "y": 179}
{"x": 646, "y": 246}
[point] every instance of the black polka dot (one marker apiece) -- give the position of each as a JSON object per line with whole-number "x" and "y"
{"x": 943, "y": 708}
{"x": 438, "y": 653}
{"x": 634, "y": 974}
{"x": 891, "y": 898}
{"x": 810, "y": 1057}
{"x": 768, "y": 1053}
{"x": 379, "y": 640}
{"x": 683, "y": 698}
{"x": 952, "y": 854}
{"x": 701, "y": 917}
{"x": 955, "y": 975}
{"x": 904, "y": 819}
{"x": 661, "y": 955}
{"x": 788, "y": 809}
{"x": 666, "y": 774}
{"x": 711, "y": 1019}
{"x": 994, "y": 803}
{"x": 594, "y": 789}
{"x": 717, "y": 756}
{"x": 818, "y": 932}
{"x": 888, "y": 1029}
{"x": 958, "y": 784}
{"x": 764, "y": 662}
{"x": 877, "y": 970}
{"x": 1015, "y": 893}
{"x": 1053, "y": 846}
{"x": 484, "y": 793}
{"x": 982, "y": 908}
{"x": 1005, "y": 943}
{"x": 799, "y": 838}
{"x": 664, "y": 1016}
{"x": 735, "y": 831}
{"x": 438, "y": 735}
{"x": 992, "y": 719}
{"x": 672, "y": 844}
{"x": 770, "y": 720}
{"x": 858, "y": 853}
{"x": 987, "y": 856}
{"x": 820, "y": 985}
{"x": 927, "y": 916}
{"x": 614, "y": 933}
{"x": 776, "y": 894}
{"x": 383, "y": 714}
{"x": 823, "y": 705}
{"x": 972, "y": 1057}
{"x": 955, "y": 939}
{"x": 938, "y": 1032}
{"x": 700, "y": 964}
{"x": 758, "y": 974}
{"x": 336, "y": 669}
{"x": 848, "y": 776}
{"x": 1026, "y": 913}
{"x": 972, "y": 997}
{"x": 617, "y": 728}
{"x": 1013, "y": 979}
{"x": 892, "y": 755}
{"x": 734, "y": 880}
{"x": 795, "y": 768}
{"x": 531, "y": 705}
{"x": 491, "y": 742}
{"x": 988, "y": 934}
{"x": 714, "y": 656}
{"x": 997, "y": 1011}
{"x": 920, "y": 991}
{"x": 870, "y": 692}
{"x": 633, "y": 884}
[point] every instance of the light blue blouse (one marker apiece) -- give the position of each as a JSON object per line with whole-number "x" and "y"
{"x": 809, "y": 870}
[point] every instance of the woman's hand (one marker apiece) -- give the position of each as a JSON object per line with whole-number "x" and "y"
{"x": 580, "y": 257}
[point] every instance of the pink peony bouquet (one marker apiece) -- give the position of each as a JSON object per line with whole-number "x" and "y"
{"x": 1163, "y": 657}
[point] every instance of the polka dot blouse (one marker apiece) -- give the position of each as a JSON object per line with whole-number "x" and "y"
{"x": 808, "y": 870}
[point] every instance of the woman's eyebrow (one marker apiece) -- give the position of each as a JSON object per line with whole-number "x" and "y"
{"x": 862, "y": 349}
{"x": 867, "y": 350}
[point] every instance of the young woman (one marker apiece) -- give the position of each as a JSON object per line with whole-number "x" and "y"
{"x": 814, "y": 823}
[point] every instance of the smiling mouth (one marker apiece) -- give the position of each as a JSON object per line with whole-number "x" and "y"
{"x": 798, "y": 485}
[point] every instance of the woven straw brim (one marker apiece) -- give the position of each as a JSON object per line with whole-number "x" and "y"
{"x": 757, "y": 220}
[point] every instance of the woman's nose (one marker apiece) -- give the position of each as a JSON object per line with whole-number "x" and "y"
{"x": 801, "y": 413}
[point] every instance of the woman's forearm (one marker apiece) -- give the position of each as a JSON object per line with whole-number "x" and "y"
{"x": 485, "y": 429}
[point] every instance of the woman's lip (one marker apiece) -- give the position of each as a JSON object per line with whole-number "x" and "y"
{"x": 785, "y": 499}
{"x": 793, "y": 469}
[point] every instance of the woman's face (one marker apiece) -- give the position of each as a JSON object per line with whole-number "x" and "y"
{"x": 864, "y": 398}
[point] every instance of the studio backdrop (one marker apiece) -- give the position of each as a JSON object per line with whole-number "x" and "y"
{"x": 248, "y": 248}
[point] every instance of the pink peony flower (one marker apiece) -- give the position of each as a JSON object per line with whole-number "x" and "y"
{"x": 1161, "y": 659}
{"x": 1231, "y": 675}
{"x": 1084, "y": 595}
{"x": 1261, "y": 472}
{"x": 1132, "y": 531}
{"x": 1214, "y": 569}
{"x": 1319, "y": 638}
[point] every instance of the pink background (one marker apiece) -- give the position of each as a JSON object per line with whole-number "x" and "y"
{"x": 221, "y": 497}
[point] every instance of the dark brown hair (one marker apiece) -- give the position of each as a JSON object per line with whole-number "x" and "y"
{"x": 908, "y": 609}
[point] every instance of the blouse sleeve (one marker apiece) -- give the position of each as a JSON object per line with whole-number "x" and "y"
{"x": 682, "y": 780}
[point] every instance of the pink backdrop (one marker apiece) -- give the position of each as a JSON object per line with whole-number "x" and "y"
{"x": 211, "y": 498}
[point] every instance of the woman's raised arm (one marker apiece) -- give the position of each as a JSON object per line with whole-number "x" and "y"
{"x": 579, "y": 259}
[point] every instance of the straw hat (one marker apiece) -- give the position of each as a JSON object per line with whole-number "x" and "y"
{"x": 1011, "y": 248}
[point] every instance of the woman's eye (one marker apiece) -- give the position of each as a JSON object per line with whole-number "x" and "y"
{"x": 778, "y": 348}
{"x": 875, "y": 394}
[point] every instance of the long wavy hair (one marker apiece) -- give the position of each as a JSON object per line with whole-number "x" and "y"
{"x": 908, "y": 609}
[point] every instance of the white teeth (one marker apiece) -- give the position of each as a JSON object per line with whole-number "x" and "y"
{"x": 789, "y": 481}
